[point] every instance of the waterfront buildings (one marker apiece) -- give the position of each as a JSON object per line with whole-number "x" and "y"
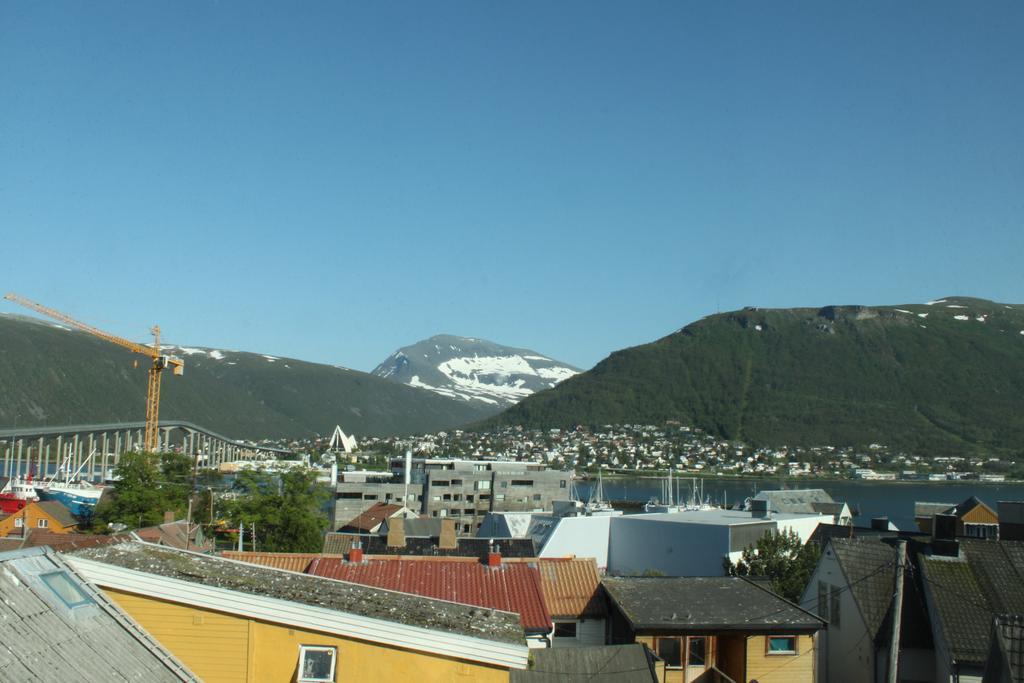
{"x": 462, "y": 490}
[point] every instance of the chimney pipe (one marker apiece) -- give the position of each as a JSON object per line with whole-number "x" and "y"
{"x": 355, "y": 553}
{"x": 494, "y": 557}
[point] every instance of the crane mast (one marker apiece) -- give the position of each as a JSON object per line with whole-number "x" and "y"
{"x": 160, "y": 362}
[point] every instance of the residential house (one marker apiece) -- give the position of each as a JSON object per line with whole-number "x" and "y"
{"x": 59, "y": 627}
{"x": 806, "y": 501}
{"x": 1011, "y": 520}
{"x": 176, "y": 534}
{"x": 966, "y": 585}
{"x": 232, "y": 621}
{"x": 974, "y": 518}
{"x": 575, "y": 602}
{"x": 50, "y": 515}
{"x": 853, "y": 589}
{"x": 512, "y": 587}
{"x": 369, "y": 521}
{"x": 601, "y": 664}
{"x": 1006, "y": 654}
{"x": 703, "y": 627}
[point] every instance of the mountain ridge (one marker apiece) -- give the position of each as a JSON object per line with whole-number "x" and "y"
{"x": 942, "y": 376}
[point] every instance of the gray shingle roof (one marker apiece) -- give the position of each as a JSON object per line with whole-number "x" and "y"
{"x": 351, "y": 598}
{"x": 706, "y": 603}
{"x": 604, "y": 664}
{"x": 795, "y": 500}
{"x": 59, "y": 512}
{"x": 970, "y": 591}
{"x": 43, "y": 639}
{"x": 870, "y": 568}
{"x": 338, "y": 543}
{"x": 929, "y": 509}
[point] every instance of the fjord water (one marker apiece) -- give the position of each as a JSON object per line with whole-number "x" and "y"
{"x": 894, "y": 500}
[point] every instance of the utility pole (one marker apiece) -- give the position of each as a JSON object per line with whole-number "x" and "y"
{"x": 897, "y": 612}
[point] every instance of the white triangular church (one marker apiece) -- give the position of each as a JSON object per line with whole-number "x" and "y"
{"x": 340, "y": 441}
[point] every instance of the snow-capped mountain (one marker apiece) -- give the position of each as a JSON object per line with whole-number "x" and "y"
{"x": 474, "y": 369}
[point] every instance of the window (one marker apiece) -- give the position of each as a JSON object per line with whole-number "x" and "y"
{"x": 536, "y": 496}
{"x": 483, "y": 486}
{"x": 316, "y": 664}
{"x": 440, "y": 483}
{"x": 469, "y": 498}
{"x": 42, "y": 523}
{"x": 19, "y": 522}
{"x": 561, "y": 484}
{"x": 456, "y": 482}
{"x": 500, "y": 496}
{"x": 65, "y": 589}
{"x": 565, "y": 629}
{"x": 696, "y": 651}
{"x": 674, "y": 651}
{"x": 504, "y": 484}
{"x": 521, "y": 482}
{"x": 782, "y": 645}
{"x": 834, "y": 605}
{"x": 350, "y": 494}
{"x": 669, "y": 649}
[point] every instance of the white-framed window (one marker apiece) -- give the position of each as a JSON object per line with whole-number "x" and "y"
{"x": 317, "y": 663}
{"x": 19, "y": 522}
{"x": 780, "y": 645}
{"x": 483, "y": 485}
{"x": 42, "y": 523}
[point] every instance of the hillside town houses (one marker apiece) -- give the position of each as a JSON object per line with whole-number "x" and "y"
{"x": 656, "y": 448}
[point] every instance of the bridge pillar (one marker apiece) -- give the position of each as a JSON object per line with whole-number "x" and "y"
{"x": 59, "y": 459}
{"x": 21, "y": 445}
{"x": 40, "y": 472}
{"x": 90, "y": 469}
{"x": 46, "y": 469}
{"x": 106, "y": 455}
{"x": 76, "y": 455}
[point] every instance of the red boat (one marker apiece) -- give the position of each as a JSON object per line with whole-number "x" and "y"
{"x": 16, "y": 494}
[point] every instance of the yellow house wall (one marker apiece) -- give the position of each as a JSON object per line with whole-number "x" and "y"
{"x": 222, "y": 648}
{"x": 798, "y": 668}
{"x": 32, "y": 514}
{"x": 980, "y": 515}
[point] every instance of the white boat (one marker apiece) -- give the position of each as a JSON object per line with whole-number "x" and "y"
{"x": 78, "y": 496}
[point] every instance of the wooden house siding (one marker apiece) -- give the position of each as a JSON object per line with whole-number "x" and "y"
{"x": 766, "y": 668}
{"x": 32, "y": 513}
{"x": 223, "y": 648}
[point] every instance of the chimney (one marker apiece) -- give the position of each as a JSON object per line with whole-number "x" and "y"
{"x": 1011, "y": 520}
{"x": 760, "y": 509}
{"x": 355, "y": 553}
{"x": 447, "y": 541}
{"x": 396, "y": 532}
{"x": 494, "y": 556}
{"x": 880, "y": 523}
{"x": 944, "y": 541}
{"x": 168, "y": 516}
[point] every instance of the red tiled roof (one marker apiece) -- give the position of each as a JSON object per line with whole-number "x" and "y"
{"x": 293, "y": 562}
{"x": 572, "y": 587}
{"x": 510, "y": 587}
{"x": 373, "y": 516}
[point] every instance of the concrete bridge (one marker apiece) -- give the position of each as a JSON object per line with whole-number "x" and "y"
{"x": 46, "y": 450}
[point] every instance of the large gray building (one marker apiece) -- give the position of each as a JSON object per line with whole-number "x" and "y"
{"x": 463, "y": 490}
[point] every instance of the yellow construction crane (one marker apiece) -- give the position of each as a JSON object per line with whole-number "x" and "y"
{"x": 160, "y": 361}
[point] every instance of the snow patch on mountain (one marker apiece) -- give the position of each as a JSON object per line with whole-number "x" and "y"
{"x": 470, "y": 369}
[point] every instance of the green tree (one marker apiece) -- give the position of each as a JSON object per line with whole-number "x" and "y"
{"x": 142, "y": 492}
{"x": 781, "y": 557}
{"x": 285, "y": 509}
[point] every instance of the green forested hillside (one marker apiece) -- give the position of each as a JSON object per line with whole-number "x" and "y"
{"x": 54, "y": 376}
{"x": 931, "y": 379}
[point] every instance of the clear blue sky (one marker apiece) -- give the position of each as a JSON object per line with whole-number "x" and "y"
{"x": 331, "y": 181}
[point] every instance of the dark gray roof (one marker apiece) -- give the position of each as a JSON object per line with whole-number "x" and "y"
{"x": 43, "y": 639}
{"x": 423, "y": 527}
{"x": 870, "y": 569}
{"x": 59, "y": 512}
{"x": 705, "y": 603}
{"x": 970, "y": 591}
{"x": 929, "y": 509}
{"x": 352, "y": 598}
{"x": 1006, "y": 660}
{"x": 336, "y": 543}
{"x": 605, "y": 664}
{"x": 795, "y": 500}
